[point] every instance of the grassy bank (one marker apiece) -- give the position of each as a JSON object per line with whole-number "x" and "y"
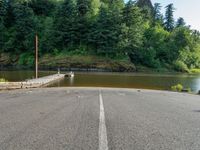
{"x": 86, "y": 62}
{"x": 83, "y": 62}
{"x": 70, "y": 61}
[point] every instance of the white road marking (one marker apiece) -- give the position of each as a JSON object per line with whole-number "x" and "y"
{"x": 103, "y": 143}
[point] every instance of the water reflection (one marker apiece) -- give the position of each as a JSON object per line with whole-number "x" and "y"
{"x": 71, "y": 81}
{"x": 121, "y": 80}
{"x": 134, "y": 80}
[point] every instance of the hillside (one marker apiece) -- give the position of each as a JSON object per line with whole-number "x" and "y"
{"x": 135, "y": 33}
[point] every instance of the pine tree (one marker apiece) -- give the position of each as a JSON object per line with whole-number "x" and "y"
{"x": 3, "y": 10}
{"x": 169, "y": 17}
{"x": 107, "y": 32}
{"x": 9, "y": 18}
{"x": 180, "y": 22}
{"x": 133, "y": 29}
{"x": 64, "y": 25}
{"x": 42, "y": 7}
{"x": 2, "y": 26}
{"x": 83, "y": 8}
{"x": 3, "y": 7}
{"x": 158, "y": 18}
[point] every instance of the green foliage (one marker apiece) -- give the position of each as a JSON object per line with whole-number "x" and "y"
{"x": 132, "y": 30}
{"x": 154, "y": 52}
{"x": 188, "y": 90}
{"x": 46, "y": 35}
{"x": 157, "y": 15}
{"x": 177, "y": 88}
{"x": 95, "y": 5}
{"x": 42, "y": 7}
{"x": 82, "y": 51}
{"x": 191, "y": 59}
{"x": 3, "y": 80}
{"x": 169, "y": 17}
{"x": 3, "y": 7}
{"x": 83, "y": 7}
{"x": 145, "y": 3}
{"x": 180, "y": 66}
{"x": 135, "y": 31}
{"x": 146, "y": 8}
{"x": 195, "y": 71}
{"x": 26, "y": 59}
{"x": 188, "y": 47}
{"x": 22, "y": 35}
{"x": 3, "y": 11}
{"x": 87, "y": 61}
{"x": 150, "y": 58}
{"x": 106, "y": 32}
{"x": 180, "y": 22}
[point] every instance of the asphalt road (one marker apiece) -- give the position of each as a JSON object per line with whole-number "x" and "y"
{"x": 98, "y": 119}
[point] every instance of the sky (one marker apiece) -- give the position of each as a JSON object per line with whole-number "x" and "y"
{"x": 188, "y": 9}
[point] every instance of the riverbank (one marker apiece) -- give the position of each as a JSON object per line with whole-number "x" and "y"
{"x": 70, "y": 62}
{"x": 74, "y": 62}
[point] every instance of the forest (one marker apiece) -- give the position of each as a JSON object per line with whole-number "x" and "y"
{"x": 94, "y": 33}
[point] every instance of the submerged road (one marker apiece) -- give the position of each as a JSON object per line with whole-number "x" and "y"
{"x": 98, "y": 119}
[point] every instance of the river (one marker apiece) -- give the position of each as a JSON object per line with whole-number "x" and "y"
{"x": 118, "y": 80}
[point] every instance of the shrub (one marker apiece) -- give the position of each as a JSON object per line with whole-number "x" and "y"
{"x": 26, "y": 59}
{"x": 195, "y": 70}
{"x": 180, "y": 66}
{"x": 3, "y": 80}
{"x": 188, "y": 90}
{"x": 177, "y": 88}
{"x": 55, "y": 51}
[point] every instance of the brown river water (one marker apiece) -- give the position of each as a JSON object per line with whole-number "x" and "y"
{"x": 116, "y": 80}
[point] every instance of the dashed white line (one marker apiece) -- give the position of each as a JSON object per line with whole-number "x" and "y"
{"x": 103, "y": 143}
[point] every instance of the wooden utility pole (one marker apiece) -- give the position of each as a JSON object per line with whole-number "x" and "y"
{"x": 36, "y": 56}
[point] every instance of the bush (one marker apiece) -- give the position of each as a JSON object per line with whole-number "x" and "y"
{"x": 177, "y": 88}
{"x": 3, "y": 80}
{"x": 26, "y": 59}
{"x": 188, "y": 90}
{"x": 180, "y": 66}
{"x": 195, "y": 71}
{"x": 149, "y": 58}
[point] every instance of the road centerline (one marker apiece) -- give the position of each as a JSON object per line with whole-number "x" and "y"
{"x": 103, "y": 143}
